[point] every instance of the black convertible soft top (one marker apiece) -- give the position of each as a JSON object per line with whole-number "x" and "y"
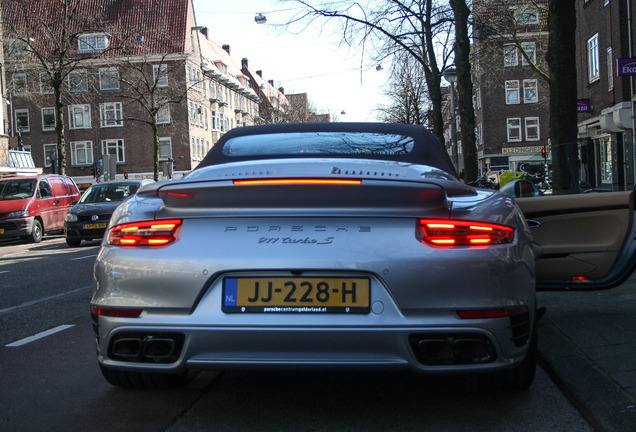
{"x": 424, "y": 147}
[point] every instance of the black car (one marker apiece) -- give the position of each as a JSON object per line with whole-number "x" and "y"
{"x": 88, "y": 219}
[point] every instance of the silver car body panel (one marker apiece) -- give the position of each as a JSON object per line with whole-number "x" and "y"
{"x": 231, "y": 231}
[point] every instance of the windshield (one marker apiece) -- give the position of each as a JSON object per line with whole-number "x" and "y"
{"x": 108, "y": 193}
{"x": 319, "y": 143}
{"x": 16, "y": 189}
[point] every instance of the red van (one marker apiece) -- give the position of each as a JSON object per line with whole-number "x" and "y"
{"x": 33, "y": 205}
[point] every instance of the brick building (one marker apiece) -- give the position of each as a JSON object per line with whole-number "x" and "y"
{"x": 510, "y": 98}
{"x": 143, "y": 65}
{"x": 606, "y": 97}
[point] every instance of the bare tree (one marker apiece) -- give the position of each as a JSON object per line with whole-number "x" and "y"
{"x": 417, "y": 28}
{"x": 146, "y": 80}
{"x": 48, "y": 36}
{"x": 407, "y": 95}
{"x": 461, "y": 12}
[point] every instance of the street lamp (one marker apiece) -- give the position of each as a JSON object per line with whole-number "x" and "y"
{"x": 450, "y": 75}
{"x": 260, "y": 19}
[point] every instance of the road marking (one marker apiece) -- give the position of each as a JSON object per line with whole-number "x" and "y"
{"x": 40, "y": 335}
{"x": 4, "y": 271}
{"x": 84, "y": 257}
{"x": 44, "y": 299}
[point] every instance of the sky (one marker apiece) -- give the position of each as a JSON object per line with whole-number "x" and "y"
{"x": 336, "y": 78}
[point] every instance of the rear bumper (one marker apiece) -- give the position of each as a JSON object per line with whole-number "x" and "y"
{"x": 443, "y": 346}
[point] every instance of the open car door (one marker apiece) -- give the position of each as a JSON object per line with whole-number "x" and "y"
{"x": 583, "y": 241}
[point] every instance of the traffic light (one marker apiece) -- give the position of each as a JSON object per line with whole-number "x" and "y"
{"x": 543, "y": 151}
{"x": 93, "y": 170}
{"x": 125, "y": 175}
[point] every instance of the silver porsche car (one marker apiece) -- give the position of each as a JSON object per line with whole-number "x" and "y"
{"x": 328, "y": 245}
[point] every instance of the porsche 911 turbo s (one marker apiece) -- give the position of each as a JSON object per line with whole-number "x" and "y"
{"x": 334, "y": 245}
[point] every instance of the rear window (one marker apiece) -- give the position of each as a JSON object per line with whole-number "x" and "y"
{"x": 319, "y": 143}
{"x": 107, "y": 193}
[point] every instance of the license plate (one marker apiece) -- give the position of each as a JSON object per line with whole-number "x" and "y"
{"x": 296, "y": 295}
{"x": 1, "y": 230}
{"x": 95, "y": 225}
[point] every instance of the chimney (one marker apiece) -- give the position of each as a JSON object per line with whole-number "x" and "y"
{"x": 259, "y": 73}
{"x": 271, "y": 82}
{"x": 244, "y": 63}
{"x": 226, "y": 47}
{"x": 281, "y": 89}
{"x": 204, "y": 32}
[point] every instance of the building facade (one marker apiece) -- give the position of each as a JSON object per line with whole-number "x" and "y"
{"x": 509, "y": 96}
{"x": 143, "y": 73}
{"x": 606, "y": 99}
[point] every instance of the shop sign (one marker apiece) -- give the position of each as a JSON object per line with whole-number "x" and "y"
{"x": 583, "y": 106}
{"x": 626, "y": 67}
{"x": 521, "y": 150}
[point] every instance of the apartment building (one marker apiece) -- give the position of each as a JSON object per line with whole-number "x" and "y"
{"x": 510, "y": 98}
{"x": 605, "y": 41}
{"x": 145, "y": 68}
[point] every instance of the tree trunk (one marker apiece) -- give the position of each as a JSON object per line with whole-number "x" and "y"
{"x": 465, "y": 88}
{"x": 563, "y": 117}
{"x": 59, "y": 130}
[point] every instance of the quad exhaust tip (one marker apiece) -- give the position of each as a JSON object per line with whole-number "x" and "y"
{"x": 453, "y": 349}
{"x": 146, "y": 348}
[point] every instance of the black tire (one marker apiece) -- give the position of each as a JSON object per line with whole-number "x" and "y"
{"x": 73, "y": 242}
{"x": 36, "y": 232}
{"x": 144, "y": 380}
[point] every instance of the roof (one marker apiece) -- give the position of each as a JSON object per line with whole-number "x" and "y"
{"x": 426, "y": 146}
{"x": 136, "y": 27}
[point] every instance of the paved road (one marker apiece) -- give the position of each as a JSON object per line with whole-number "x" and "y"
{"x": 52, "y": 382}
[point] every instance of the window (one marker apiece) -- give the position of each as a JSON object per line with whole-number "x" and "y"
{"x": 514, "y": 129}
{"x": 19, "y": 83}
{"x": 17, "y": 48}
{"x": 50, "y": 153}
{"x": 93, "y": 43}
{"x": 79, "y": 116}
{"x": 160, "y": 74}
{"x": 215, "y": 121}
{"x": 165, "y": 148}
{"x": 48, "y": 119}
{"x": 512, "y": 92}
{"x": 111, "y": 114}
{"x": 478, "y": 98}
{"x": 530, "y": 91}
{"x": 212, "y": 90}
{"x": 592, "y": 59}
{"x": 109, "y": 79}
{"x": 527, "y": 17}
{"x": 78, "y": 81}
{"x": 45, "y": 84}
{"x": 81, "y": 152}
{"x": 510, "y": 55}
{"x": 114, "y": 147}
{"x": 22, "y": 120}
{"x": 163, "y": 115}
{"x": 610, "y": 70}
{"x": 530, "y": 49}
{"x": 532, "y": 128}
{"x": 479, "y": 134}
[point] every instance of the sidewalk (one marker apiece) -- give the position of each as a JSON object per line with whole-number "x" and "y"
{"x": 587, "y": 343}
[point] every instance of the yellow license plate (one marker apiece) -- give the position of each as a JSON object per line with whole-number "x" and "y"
{"x": 296, "y": 295}
{"x": 1, "y": 230}
{"x": 95, "y": 225}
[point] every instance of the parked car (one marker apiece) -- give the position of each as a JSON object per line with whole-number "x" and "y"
{"x": 329, "y": 245}
{"x": 87, "y": 220}
{"x": 31, "y": 206}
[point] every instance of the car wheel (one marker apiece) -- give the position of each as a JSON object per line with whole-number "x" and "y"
{"x": 36, "y": 232}
{"x": 144, "y": 380}
{"x": 73, "y": 243}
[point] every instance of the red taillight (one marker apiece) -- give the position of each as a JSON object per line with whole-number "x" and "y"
{"x": 145, "y": 233}
{"x": 116, "y": 312}
{"x": 293, "y": 181}
{"x": 452, "y": 233}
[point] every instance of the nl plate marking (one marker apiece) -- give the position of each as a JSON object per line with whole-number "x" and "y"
{"x": 296, "y": 295}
